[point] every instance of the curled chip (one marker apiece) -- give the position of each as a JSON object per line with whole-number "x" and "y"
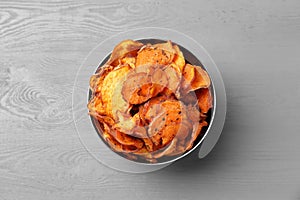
{"x": 149, "y": 102}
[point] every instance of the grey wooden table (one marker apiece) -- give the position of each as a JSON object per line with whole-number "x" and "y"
{"x": 254, "y": 43}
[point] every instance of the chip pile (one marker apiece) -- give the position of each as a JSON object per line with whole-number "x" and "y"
{"x": 149, "y": 102}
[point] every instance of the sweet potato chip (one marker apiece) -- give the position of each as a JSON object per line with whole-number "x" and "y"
{"x": 189, "y": 98}
{"x": 205, "y": 101}
{"x": 164, "y": 118}
{"x": 194, "y": 77}
{"x": 201, "y": 79}
{"x": 126, "y": 123}
{"x": 126, "y": 47}
{"x": 195, "y": 133}
{"x": 128, "y": 140}
{"x": 188, "y": 77}
{"x": 166, "y": 46}
{"x": 171, "y": 148}
{"x": 134, "y": 90}
{"x": 112, "y": 83}
{"x": 129, "y": 61}
{"x": 162, "y": 54}
{"x": 141, "y": 86}
{"x": 179, "y": 58}
{"x": 173, "y": 79}
{"x": 96, "y": 80}
{"x": 96, "y": 107}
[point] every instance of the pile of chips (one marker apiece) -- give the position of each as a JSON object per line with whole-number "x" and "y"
{"x": 150, "y": 103}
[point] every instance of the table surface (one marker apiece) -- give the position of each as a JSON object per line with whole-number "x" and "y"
{"x": 256, "y": 47}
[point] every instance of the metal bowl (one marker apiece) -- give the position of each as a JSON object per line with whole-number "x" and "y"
{"x": 87, "y": 128}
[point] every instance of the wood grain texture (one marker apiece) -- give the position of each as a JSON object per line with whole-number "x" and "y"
{"x": 254, "y": 43}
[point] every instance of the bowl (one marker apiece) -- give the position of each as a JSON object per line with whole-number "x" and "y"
{"x": 88, "y": 129}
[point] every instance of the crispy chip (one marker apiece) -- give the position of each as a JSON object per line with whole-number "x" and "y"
{"x": 188, "y": 77}
{"x": 141, "y": 86}
{"x": 179, "y": 59}
{"x": 96, "y": 107}
{"x": 170, "y": 149}
{"x": 205, "y": 101}
{"x": 129, "y": 61}
{"x": 162, "y": 54}
{"x": 110, "y": 91}
{"x": 128, "y": 140}
{"x": 196, "y": 132}
{"x": 173, "y": 79}
{"x": 201, "y": 79}
{"x": 96, "y": 80}
{"x": 124, "y": 48}
{"x": 194, "y": 77}
{"x": 164, "y": 118}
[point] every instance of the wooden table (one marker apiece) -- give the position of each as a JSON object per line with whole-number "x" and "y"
{"x": 254, "y": 43}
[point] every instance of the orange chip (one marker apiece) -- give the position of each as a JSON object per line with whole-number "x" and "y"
{"x": 197, "y": 128}
{"x": 179, "y": 58}
{"x": 162, "y": 54}
{"x": 173, "y": 79}
{"x": 118, "y": 147}
{"x": 205, "y": 100}
{"x": 134, "y": 90}
{"x": 170, "y": 149}
{"x": 128, "y": 140}
{"x": 96, "y": 107}
{"x": 188, "y": 77}
{"x": 188, "y": 74}
{"x": 111, "y": 91}
{"x": 141, "y": 86}
{"x": 164, "y": 118}
{"x": 129, "y": 61}
{"x": 126, "y": 47}
{"x": 201, "y": 79}
{"x": 194, "y": 78}
{"x": 97, "y": 79}
{"x": 166, "y": 46}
